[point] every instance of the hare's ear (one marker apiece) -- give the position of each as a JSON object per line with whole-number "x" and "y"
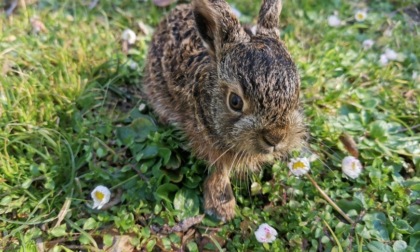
{"x": 217, "y": 25}
{"x": 268, "y": 19}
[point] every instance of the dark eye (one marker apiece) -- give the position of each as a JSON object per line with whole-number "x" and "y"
{"x": 235, "y": 102}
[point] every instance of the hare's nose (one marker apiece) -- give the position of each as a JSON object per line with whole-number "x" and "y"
{"x": 272, "y": 140}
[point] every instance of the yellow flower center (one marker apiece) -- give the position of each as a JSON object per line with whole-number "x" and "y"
{"x": 298, "y": 165}
{"x": 353, "y": 166}
{"x": 99, "y": 195}
{"x": 360, "y": 15}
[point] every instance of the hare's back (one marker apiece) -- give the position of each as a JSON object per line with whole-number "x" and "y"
{"x": 176, "y": 53}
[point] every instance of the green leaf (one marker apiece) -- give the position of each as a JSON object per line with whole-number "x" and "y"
{"x": 50, "y": 185}
{"x": 378, "y": 130}
{"x": 100, "y": 152}
{"x": 90, "y": 224}
{"x": 143, "y": 126}
{"x": 192, "y": 247}
{"x": 362, "y": 231}
{"x": 192, "y": 182}
{"x": 371, "y": 103}
{"x": 377, "y": 224}
{"x": 84, "y": 239}
{"x": 413, "y": 184}
{"x": 361, "y": 198}
{"x": 58, "y": 231}
{"x": 353, "y": 126}
{"x": 5, "y": 201}
{"x": 399, "y": 246}
{"x": 187, "y": 203}
{"x": 145, "y": 232}
{"x": 413, "y": 214}
{"x": 150, "y": 245}
{"x": 126, "y": 135}
{"x": 403, "y": 227}
{"x": 166, "y": 243}
{"x": 415, "y": 240}
{"x": 27, "y": 183}
{"x": 165, "y": 153}
{"x": 108, "y": 240}
{"x": 138, "y": 130}
{"x": 163, "y": 192}
{"x": 335, "y": 249}
{"x": 174, "y": 162}
{"x": 136, "y": 149}
{"x": 175, "y": 238}
{"x": 347, "y": 205}
{"x": 376, "y": 246}
{"x": 33, "y": 233}
{"x": 325, "y": 239}
{"x": 150, "y": 151}
{"x": 174, "y": 176}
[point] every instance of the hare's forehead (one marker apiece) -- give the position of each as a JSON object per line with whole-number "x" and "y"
{"x": 268, "y": 79}
{"x": 277, "y": 92}
{"x": 259, "y": 62}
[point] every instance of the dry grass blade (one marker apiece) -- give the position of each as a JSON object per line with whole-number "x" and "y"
{"x": 349, "y": 144}
{"x": 182, "y": 226}
{"x": 63, "y": 212}
{"x": 93, "y": 4}
{"x": 163, "y": 3}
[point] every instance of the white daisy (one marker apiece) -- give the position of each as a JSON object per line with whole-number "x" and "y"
{"x": 299, "y": 166}
{"x": 360, "y": 15}
{"x": 129, "y": 36}
{"x": 265, "y": 233}
{"x": 132, "y": 64}
{"x": 3, "y": 98}
{"x": 351, "y": 166}
{"x": 367, "y": 44}
{"x": 383, "y": 60}
{"x": 414, "y": 75}
{"x": 100, "y": 195}
{"x": 334, "y": 21}
{"x": 391, "y": 54}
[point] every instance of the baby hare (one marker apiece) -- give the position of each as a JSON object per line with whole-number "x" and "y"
{"x": 233, "y": 92}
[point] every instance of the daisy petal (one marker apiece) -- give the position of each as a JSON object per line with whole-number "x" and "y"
{"x": 352, "y": 167}
{"x": 299, "y": 166}
{"x": 265, "y": 233}
{"x": 100, "y": 195}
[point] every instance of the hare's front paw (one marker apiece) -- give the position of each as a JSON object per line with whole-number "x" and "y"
{"x": 218, "y": 198}
{"x": 223, "y": 211}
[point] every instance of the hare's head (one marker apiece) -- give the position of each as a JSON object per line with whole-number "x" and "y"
{"x": 251, "y": 102}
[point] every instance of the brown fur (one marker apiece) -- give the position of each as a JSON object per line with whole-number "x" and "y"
{"x": 198, "y": 56}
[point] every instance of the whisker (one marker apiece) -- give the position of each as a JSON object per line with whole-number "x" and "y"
{"x": 232, "y": 164}
{"x": 240, "y": 169}
{"x": 221, "y": 155}
{"x": 329, "y": 153}
{"x": 247, "y": 177}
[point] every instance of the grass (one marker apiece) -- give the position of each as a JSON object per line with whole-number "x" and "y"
{"x": 70, "y": 120}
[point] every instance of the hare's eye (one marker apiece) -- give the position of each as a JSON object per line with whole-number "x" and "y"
{"x": 235, "y": 102}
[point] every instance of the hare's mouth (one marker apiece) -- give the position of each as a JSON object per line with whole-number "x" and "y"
{"x": 263, "y": 149}
{"x": 263, "y": 146}
{"x": 258, "y": 148}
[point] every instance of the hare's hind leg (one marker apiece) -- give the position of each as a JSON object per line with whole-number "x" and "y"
{"x": 218, "y": 196}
